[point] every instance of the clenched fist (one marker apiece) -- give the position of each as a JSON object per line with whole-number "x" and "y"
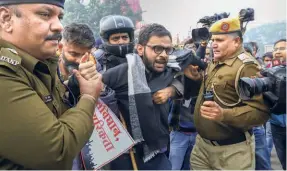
{"x": 163, "y": 95}
{"x": 87, "y": 68}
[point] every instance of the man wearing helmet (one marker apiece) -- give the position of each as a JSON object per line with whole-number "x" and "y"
{"x": 117, "y": 33}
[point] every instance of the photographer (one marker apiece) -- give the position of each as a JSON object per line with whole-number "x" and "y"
{"x": 262, "y": 156}
{"x": 267, "y": 59}
{"x": 278, "y": 122}
{"x": 255, "y": 49}
{"x": 224, "y": 122}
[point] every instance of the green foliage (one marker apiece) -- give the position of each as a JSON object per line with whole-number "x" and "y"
{"x": 92, "y": 13}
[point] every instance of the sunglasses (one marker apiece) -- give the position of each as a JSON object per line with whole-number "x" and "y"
{"x": 159, "y": 49}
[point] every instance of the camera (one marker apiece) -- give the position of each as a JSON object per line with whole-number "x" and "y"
{"x": 202, "y": 34}
{"x": 272, "y": 86}
{"x": 246, "y": 15}
{"x": 207, "y": 21}
{"x": 186, "y": 57}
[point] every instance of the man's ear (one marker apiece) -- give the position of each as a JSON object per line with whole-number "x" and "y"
{"x": 237, "y": 41}
{"x": 140, "y": 49}
{"x": 6, "y": 19}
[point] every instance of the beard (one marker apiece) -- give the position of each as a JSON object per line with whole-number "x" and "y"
{"x": 69, "y": 66}
{"x": 156, "y": 66}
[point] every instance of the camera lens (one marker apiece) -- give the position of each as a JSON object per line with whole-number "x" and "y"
{"x": 243, "y": 13}
{"x": 200, "y": 34}
{"x": 203, "y": 33}
{"x": 247, "y": 14}
{"x": 249, "y": 87}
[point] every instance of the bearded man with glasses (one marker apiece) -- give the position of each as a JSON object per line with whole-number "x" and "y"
{"x": 154, "y": 47}
{"x": 139, "y": 85}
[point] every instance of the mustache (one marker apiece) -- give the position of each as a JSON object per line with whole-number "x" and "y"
{"x": 161, "y": 60}
{"x": 57, "y": 36}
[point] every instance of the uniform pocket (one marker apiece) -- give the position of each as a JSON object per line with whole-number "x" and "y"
{"x": 219, "y": 87}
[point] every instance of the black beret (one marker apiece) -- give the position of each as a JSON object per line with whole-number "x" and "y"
{"x": 59, "y": 3}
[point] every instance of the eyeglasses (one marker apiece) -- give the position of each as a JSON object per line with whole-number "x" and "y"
{"x": 280, "y": 49}
{"x": 159, "y": 49}
{"x": 117, "y": 38}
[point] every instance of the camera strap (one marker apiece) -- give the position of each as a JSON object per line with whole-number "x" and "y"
{"x": 246, "y": 60}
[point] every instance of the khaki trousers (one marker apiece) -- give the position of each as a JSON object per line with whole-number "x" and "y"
{"x": 240, "y": 156}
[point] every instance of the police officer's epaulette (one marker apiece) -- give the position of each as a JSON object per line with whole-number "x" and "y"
{"x": 9, "y": 58}
{"x": 245, "y": 58}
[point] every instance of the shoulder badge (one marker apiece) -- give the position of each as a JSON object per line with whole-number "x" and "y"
{"x": 9, "y": 60}
{"x": 245, "y": 58}
{"x": 13, "y": 51}
{"x": 9, "y": 57}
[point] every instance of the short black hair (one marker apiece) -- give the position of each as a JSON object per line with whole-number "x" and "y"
{"x": 267, "y": 54}
{"x": 254, "y": 44}
{"x": 79, "y": 34}
{"x": 248, "y": 47}
{"x": 152, "y": 30}
{"x": 278, "y": 41}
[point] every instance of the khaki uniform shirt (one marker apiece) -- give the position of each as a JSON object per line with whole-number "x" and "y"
{"x": 239, "y": 118}
{"x": 37, "y": 129}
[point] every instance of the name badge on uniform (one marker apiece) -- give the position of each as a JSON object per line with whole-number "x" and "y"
{"x": 48, "y": 98}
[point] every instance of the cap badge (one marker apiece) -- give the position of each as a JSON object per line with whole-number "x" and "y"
{"x": 224, "y": 26}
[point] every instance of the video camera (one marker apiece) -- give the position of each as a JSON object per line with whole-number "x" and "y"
{"x": 202, "y": 34}
{"x": 186, "y": 57}
{"x": 272, "y": 86}
{"x": 245, "y": 15}
{"x": 207, "y": 21}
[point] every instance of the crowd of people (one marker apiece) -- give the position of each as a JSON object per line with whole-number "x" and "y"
{"x": 180, "y": 116}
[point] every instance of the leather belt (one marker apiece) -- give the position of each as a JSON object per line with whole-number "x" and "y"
{"x": 229, "y": 141}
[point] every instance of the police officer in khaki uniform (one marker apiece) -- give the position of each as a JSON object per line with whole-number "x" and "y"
{"x": 38, "y": 128}
{"x": 225, "y": 139}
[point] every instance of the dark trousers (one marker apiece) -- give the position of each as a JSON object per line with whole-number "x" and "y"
{"x": 159, "y": 162}
{"x": 279, "y": 139}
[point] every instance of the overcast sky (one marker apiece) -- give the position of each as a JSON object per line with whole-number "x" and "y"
{"x": 179, "y": 15}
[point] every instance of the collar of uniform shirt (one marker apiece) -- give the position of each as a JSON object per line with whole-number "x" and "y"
{"x": 27, "y": 61}
{"x": 230, "y": 61}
